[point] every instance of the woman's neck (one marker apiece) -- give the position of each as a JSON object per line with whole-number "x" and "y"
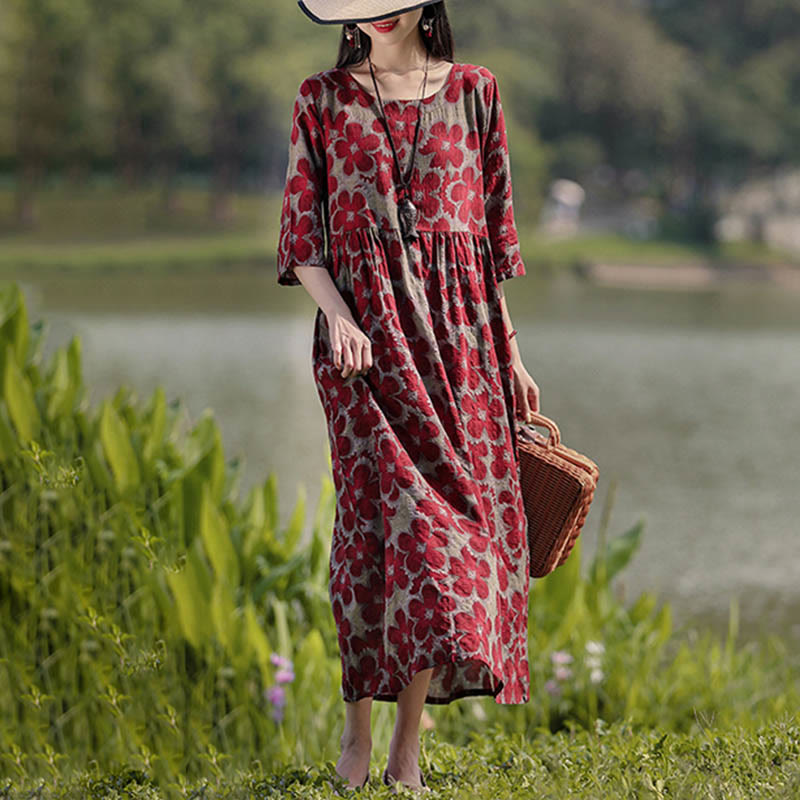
{"x": 402, "y": 57}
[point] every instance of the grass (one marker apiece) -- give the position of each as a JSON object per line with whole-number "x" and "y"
{"x": 99, "y": 227}
{"x": 612, "y": 761}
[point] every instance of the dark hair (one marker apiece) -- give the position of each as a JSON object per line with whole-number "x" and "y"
{"x": 439, "y": 45}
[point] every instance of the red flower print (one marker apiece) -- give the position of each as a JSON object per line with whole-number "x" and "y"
{"x": 354, "y": 147}
{"x": 415, "y": 545}
{"x": 443, "y": 144}
{"x": 388, "y": 388}
{"x": 357, "y": 555}
{"x": 305, "y": 237}
{"x": 394, "y": 475}
{"x": 304, "y": 184}
{"x": 471, "y": 574}
{"x": 468, "y": 196}
{"x": 463, "y": 81}
{"x": 402, "y": 125}
{"x": 501, "y": 463}
{"x": 367, "y": 414}
{"x": 427, "y": 613}
{"x": 476, "y": 407}
{"x": 396, "y": 576}
{"x": 399, "y": 635}
{"x": 348, "y": 215}
{"x": 478, "y": 453}
{"x": 384, "y": 173}
{"x": 423, "y": 432}
{"x": 426, "y": 193}
{"x": 333, "y": 125}
{"x": 370, "y": 598}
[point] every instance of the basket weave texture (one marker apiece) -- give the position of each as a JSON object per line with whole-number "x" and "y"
{"x": 558, "y": 486}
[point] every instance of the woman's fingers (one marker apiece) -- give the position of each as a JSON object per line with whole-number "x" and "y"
{"x": 366, "y": 348}
{"x": 352, "y": 350}
{"x": 533, "y": 397}
{"x": 336, "y": 346}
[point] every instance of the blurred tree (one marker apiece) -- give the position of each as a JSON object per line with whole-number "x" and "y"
{"x": 42, "y": 108}
{"x": 153, "y": 94}
{"x": 237, "y": 54}
{"x": 741, "y": 96}
{"x": 686, "y": 94}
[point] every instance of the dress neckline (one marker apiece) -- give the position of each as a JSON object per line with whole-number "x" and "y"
{"x": 425, "y": 100}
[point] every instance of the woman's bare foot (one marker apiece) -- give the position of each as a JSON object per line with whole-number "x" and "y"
{"x": 403, "y": 765}
{"x": 353, "y": 763}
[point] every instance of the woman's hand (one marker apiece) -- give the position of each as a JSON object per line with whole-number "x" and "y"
{"x": 352, "y": 349}
{"x": 526, "y": 390}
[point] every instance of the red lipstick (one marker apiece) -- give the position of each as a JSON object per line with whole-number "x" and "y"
{"x": 384, "y": 26}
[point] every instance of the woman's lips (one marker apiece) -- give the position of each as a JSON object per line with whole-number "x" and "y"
{"x": 385, "y": 27}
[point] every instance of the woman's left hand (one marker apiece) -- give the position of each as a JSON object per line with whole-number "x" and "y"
{"x": 526, "y": 390}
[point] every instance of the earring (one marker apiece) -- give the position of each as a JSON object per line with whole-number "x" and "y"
{"x": 427, "y": 26}
{"x": 353, "y": 36}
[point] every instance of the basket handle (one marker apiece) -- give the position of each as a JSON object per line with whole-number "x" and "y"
{"x": 545, "y": 422}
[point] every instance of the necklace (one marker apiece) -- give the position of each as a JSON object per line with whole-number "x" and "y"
{"x": 407, "y": 212}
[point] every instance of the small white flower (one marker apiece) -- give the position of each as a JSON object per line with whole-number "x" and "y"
{"x": 593, "y": 662}
{"x": 595, "y": 647}
{"x": 479, "y": 711}
{"x": 561, "y": 657}
{"x": 596, "y": 675}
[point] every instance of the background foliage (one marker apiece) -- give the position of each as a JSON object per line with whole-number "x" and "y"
{"x": 663, "y": 97}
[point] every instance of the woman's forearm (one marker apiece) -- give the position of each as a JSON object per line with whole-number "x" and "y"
{"x": 515, "y": 354}
{"x": 318, "y": 282}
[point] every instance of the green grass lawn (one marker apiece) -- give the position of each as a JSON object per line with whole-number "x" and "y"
{"x": 102, "y": 227}
{"x": 613, "y": 761}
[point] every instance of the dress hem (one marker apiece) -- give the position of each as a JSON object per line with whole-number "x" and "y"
{"x": 391, "y": 697}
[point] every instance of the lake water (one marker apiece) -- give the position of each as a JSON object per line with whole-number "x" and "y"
{"x": 689, "y": 401}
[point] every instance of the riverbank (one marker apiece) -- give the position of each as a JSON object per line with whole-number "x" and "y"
{"x": 688, "y": 276}
{"x": 101, "y": 229}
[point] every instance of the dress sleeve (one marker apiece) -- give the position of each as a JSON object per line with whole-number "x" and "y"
{"x": 302, "y": 229}
{"x": 497, "y": 189}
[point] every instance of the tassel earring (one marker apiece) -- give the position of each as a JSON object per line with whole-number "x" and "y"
{"x": 353, "y": 36}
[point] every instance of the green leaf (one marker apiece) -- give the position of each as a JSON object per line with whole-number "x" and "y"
{"x": 617, "y": 553}
{"x": 20, "y": 402}
{"x": 282, "y": 627}
{"x": 14, "y": 328}
{"x": 291, "y": 536}
{"x": 156, "y": 426}
{"x": 9, "y": 446}
{"x": 65, "y": 381}
{"x": 257, "y": 640}
{"x": 191, "y": 588}
{"x": 118, "y": 449}
{"x": 215, "y": 534}
{"x": 226, "y": 623}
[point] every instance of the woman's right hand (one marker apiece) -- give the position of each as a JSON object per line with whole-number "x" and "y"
{"x": 352, "y": 349}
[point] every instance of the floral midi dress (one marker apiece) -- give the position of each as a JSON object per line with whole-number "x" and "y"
{"x": 429, "y": 557}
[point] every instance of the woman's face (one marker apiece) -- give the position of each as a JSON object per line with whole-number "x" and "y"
{"x": 393, "y": 29}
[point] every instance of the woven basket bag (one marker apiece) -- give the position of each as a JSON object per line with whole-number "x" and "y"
{"x": 558, "y": 485}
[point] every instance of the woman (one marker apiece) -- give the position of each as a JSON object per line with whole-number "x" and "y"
{"x": 397, "y": 219}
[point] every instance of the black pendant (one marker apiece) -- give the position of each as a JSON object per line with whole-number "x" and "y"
{"x": 408, "y": 214}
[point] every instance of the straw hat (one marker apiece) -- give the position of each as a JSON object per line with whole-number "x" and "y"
{"x": 341, "y": 12}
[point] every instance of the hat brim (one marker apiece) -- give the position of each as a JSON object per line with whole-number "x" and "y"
{"x": 346, "y": 12}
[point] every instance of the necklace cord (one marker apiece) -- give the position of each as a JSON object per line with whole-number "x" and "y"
{"x": 404, "y": 179}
